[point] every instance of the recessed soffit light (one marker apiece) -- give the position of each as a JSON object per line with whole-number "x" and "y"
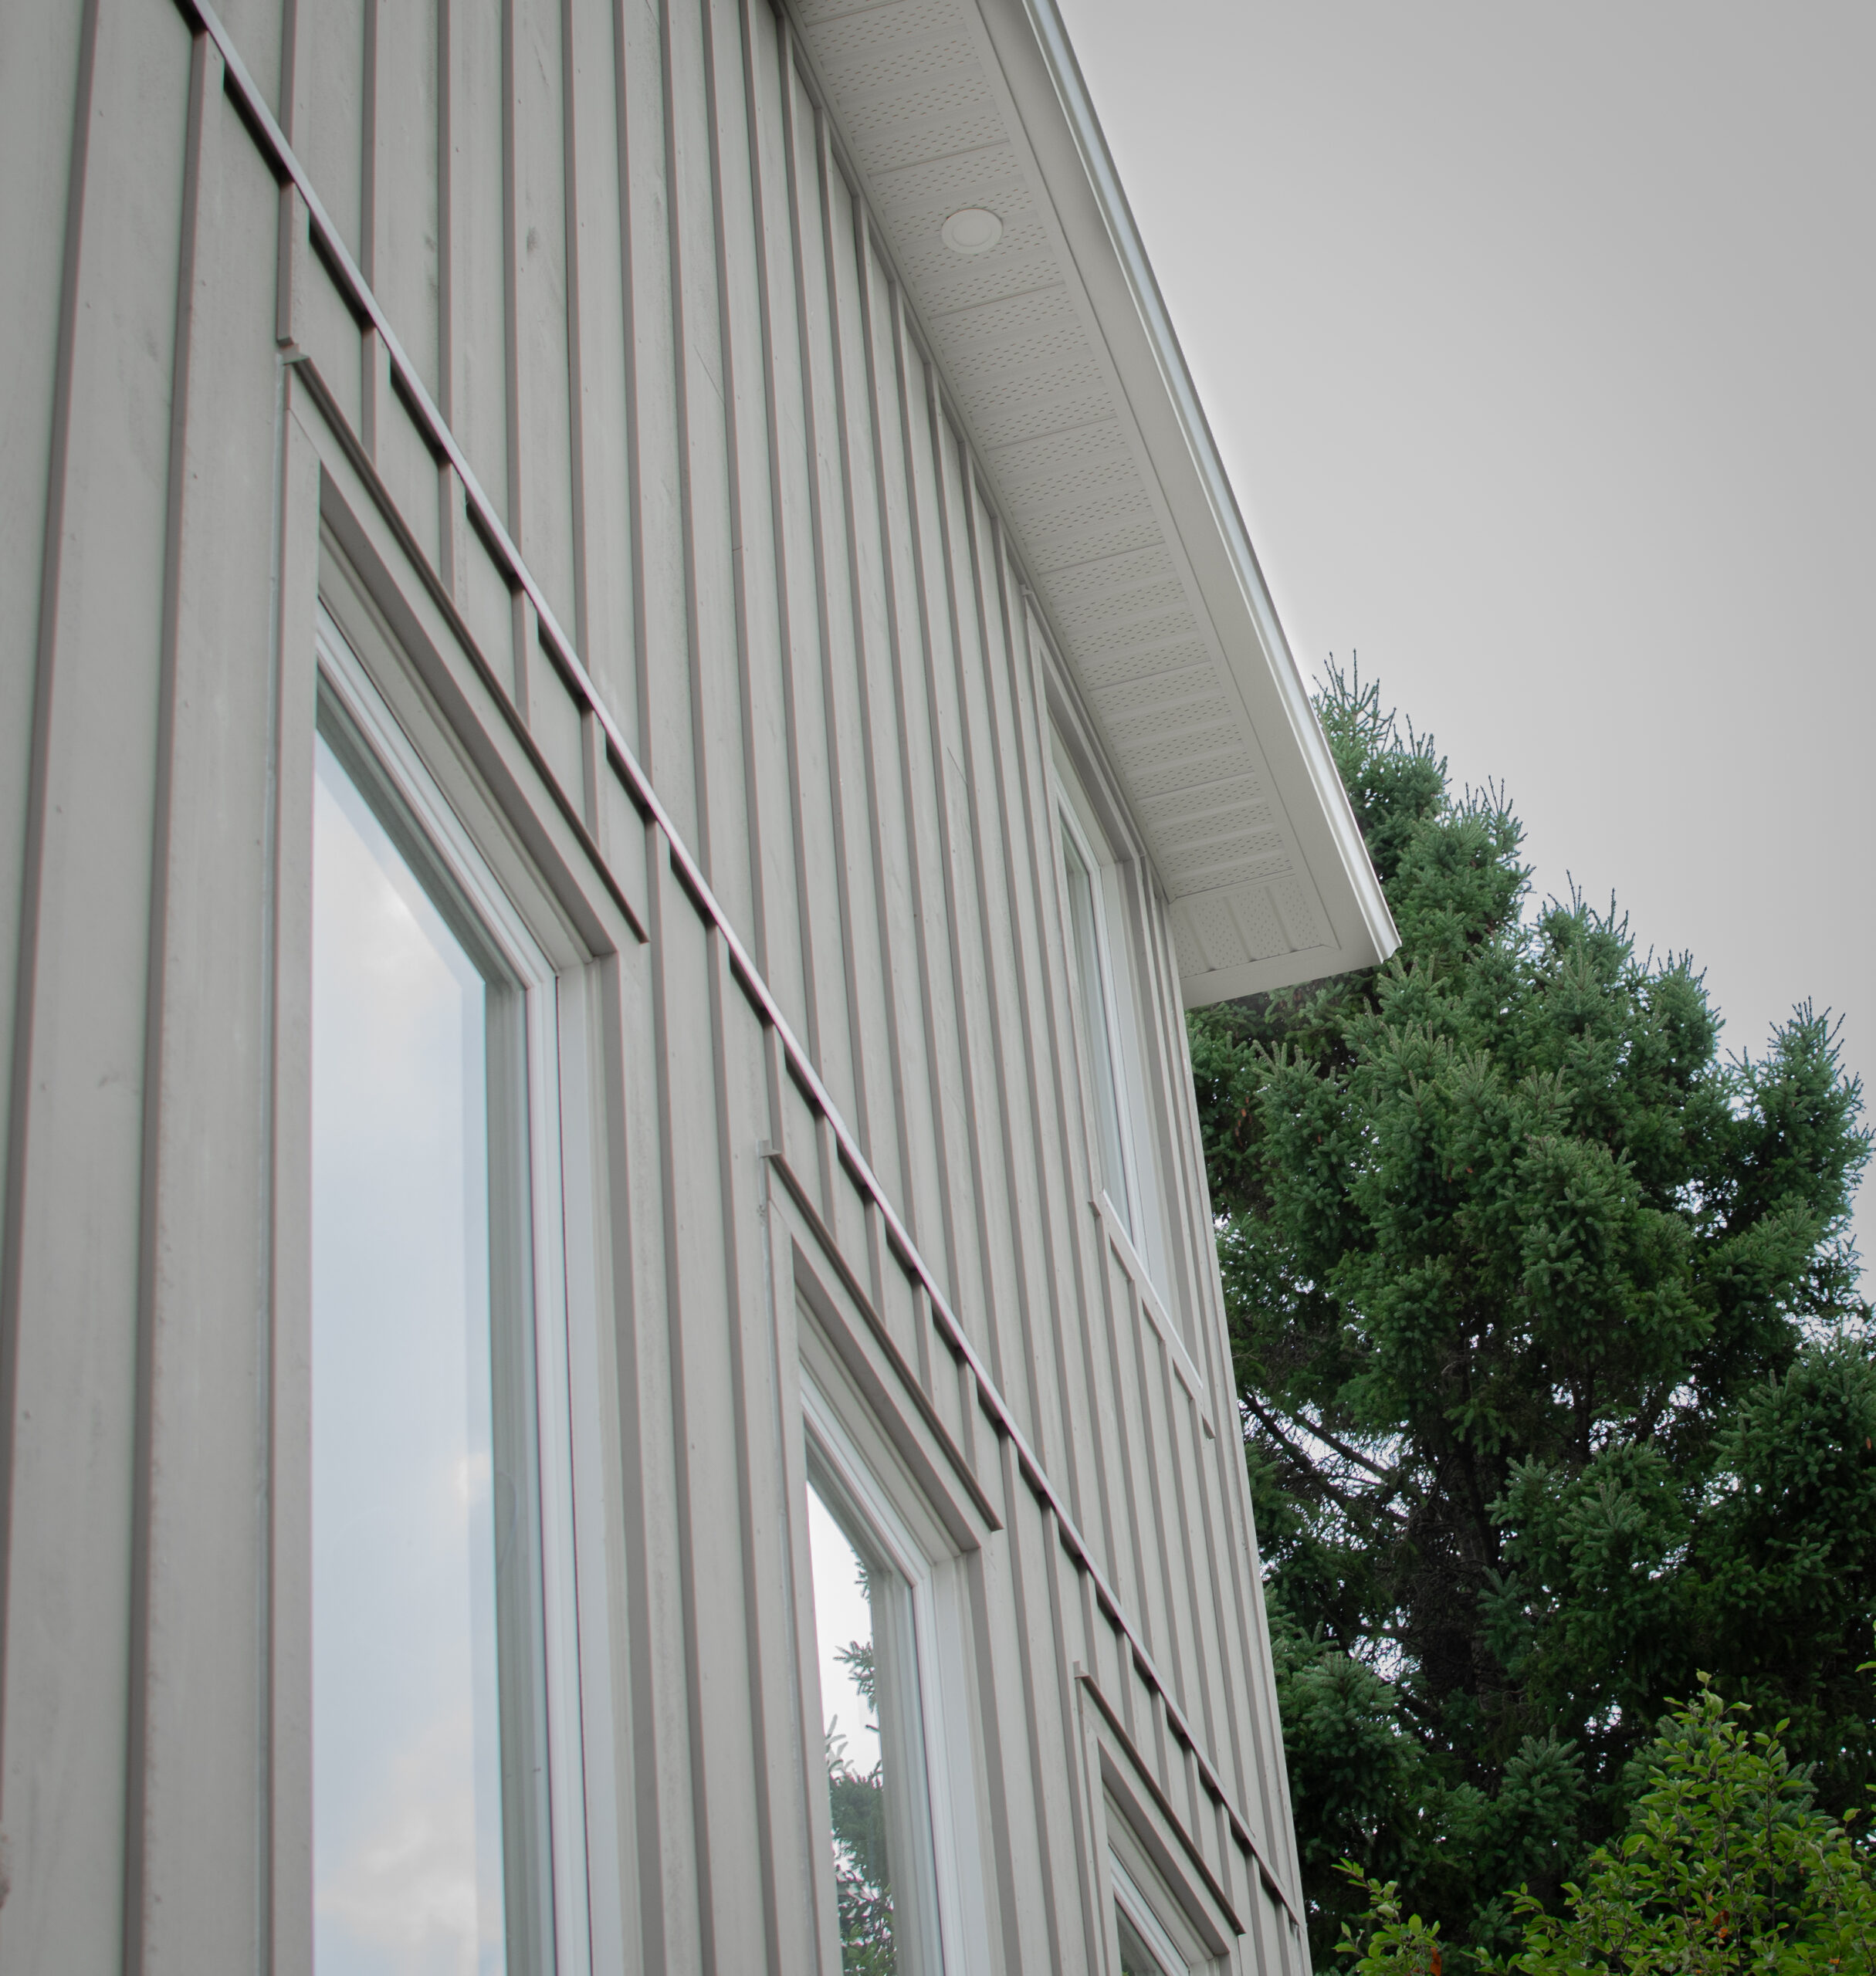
{"x": 973, "y": 231}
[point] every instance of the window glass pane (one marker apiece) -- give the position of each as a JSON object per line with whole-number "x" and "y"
{"x": 1145, "y": 1947}
{"x": 856, "y": 1783}
{"x": 416, "y": 1504}
{"x": 874, "y": 1749}
{"x": 1137, "y": 1959}
{"x": 1085, "y": 928}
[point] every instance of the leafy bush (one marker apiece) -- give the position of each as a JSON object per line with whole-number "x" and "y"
{"x": 1726, "y": 1868}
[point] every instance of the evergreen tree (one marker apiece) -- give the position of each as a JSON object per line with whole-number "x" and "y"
{"x": 1557, "y": 1384}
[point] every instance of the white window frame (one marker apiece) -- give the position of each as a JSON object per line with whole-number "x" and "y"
{"x": 1134, "y": 1903}
{"x": 1143, "y": 1215}
{"x": 940, "y": 1643}
{"x": 541, "y": 984}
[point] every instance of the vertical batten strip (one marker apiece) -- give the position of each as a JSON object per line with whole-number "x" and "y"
{"x": 204, "y": 74}
{"x": 833, "y": 242}
{"x": 895, "y": 714}
{"x": 542, "y": 271}
{"x": 1068, "y": 1248}
{"x": 479, "y": 287}
{"x": 292, "y": 68}
{"x": 947, "y": 1066}
{"x": 653, "y": 1799}
{"x": 368, "y": 215}
{"x": 970, "y": 927}
{"x": 986, "y": 1603}
{"x": 198, "y": 1750}
{"x": 1114, "y": 1315}
{"x": 1090, "y": 1868}
{"x": 994, "y": 917}
{"x": 446, "y": 167}
{"x": 1153, "y": 1376}
{"x": 797, "y": 655}
{"x": 286, "y": 1842}
{"x": 822, "y": 737}
{"x": 682, "y": 358}
{"x": 1210, "y": 1643}
{"x": 760, "y": 1541}
{"x": 1260, "y": 1773}
{"x": 518, "y": 519}
{"x": 1031, "y": 729}
{"x": 877, "y": 669}
{"x": 864, "y": 561}
{"x": 625, "y": 127}
{"x": 672, "y": 1132}
{"x": 984, "y": 539}
{"x": 800, "y": 957}
{"x": 374, "y": 369}
{"x": 599, "y": 405}
{"x": 757, "y": 1329}
{"x": 579, "y": 546}
{"x": 915, "y": 428}
{"x": 741, "y": 501}
{"x": 1244, "y": 1702}
{"x": 1024, "y": 1603}
{"x": 1244, "y": 1708}
{"x": 26, "y": 1010}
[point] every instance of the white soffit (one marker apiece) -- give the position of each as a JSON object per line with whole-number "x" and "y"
{"x": 1059, "y": 358}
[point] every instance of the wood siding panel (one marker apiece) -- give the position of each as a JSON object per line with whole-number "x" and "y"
{"x": 206, "y": 1319}
{"x": 75, "y": 1203}
{"x": 473, "y": 204}
{"x": 45, "y": 70}
{"x": 617, "y": 411}
{"x": 404, "y": 45}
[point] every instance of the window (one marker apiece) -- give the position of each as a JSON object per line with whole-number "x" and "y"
{"x": 1107, "y": 1022}
{"x": 444, "y": 1803}
{"x": 1097, "y": 1012}
{"x": 1145, "y": 1947}
{"x": 880, "y": 1620}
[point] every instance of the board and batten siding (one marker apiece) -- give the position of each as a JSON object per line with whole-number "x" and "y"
{"x": 552, "y": 339}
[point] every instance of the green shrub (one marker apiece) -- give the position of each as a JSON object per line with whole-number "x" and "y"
{"x": 1726, "y": 1867}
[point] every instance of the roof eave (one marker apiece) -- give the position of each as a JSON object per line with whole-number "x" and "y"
{"x": 1078, "y": 171}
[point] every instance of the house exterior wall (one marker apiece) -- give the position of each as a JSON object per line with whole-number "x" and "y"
{"x": 548, "y": 344}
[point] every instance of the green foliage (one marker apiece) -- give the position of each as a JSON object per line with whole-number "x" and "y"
{"x": 863, "y": 1875}
{"x": 1389, "y": 1941}
{"x": 1556, "y": 1383}
{"x": 1726, "y": 1865}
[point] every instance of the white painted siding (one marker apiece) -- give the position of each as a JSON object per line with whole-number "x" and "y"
{"x": 549, "y": 340}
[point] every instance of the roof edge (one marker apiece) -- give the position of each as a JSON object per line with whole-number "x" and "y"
{"x": 1377, "y": 938}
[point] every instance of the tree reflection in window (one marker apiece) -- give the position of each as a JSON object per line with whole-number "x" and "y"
{"x": 857, "y": 1598}
{"x": 862, "y": 1874}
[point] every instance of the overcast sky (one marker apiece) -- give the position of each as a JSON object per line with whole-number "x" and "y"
{"x": 1538, "y": 343}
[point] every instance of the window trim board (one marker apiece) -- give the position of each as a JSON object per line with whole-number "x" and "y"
{"x": 941, "y": 1620}
{"x": 546, "y": 992}
{"x": 1140, "y": 1911}
{"x": 1190, "y": 1376}
{"x": 1117, "y": 1768}
{"x": 886, "y": 1389}
{"x": 1114, "y": 1013}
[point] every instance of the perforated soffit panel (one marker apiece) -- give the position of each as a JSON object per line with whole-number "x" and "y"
{"x": 1056, "y": 351}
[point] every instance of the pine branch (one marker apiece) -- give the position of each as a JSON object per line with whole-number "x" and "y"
{"x": 1354, "y": 1505}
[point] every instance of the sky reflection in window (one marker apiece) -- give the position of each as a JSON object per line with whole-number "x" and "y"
{"x": 407, "y": 1876}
